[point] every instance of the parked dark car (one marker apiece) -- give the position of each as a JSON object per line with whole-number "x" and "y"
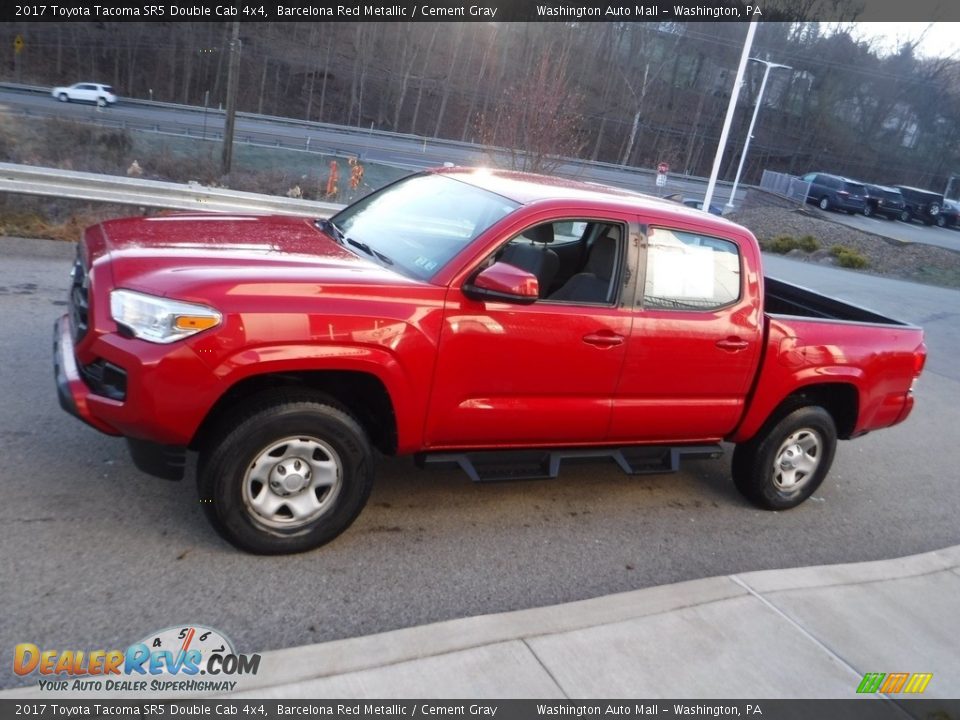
{"x": 885, "y": 201}
{"x": 949, "y": 215}
{"x": 833, "y": 192}
{"x": 922, "y": 205}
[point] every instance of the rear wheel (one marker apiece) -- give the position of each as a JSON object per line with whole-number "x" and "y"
{"x": 867, "y": 210}
{"x": 905, "y": 215}
{"x": 288, "y": 476}
{"x": 787, "y": 460}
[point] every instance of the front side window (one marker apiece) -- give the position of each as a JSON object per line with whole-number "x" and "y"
{"x": 573, "y": 260}
{"x": 689, "y": 271}
{"x": 417, "y": 225}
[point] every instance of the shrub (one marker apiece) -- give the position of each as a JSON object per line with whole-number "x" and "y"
{"x": 783, "y": 244}
{"x": 848, "y": 258}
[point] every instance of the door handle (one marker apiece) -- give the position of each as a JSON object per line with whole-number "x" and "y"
{"x": 604, "y": 338}
{"x": 732, "y": 344}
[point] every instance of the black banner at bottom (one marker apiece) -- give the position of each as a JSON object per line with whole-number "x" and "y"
{"x": 865, "y": 708}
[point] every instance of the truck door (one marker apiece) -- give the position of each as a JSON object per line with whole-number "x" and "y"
{"x": 695, "y": 341}
{"x": 544, "y": 373}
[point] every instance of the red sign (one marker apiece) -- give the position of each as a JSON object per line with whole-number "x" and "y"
{"x": 663, "y": 168}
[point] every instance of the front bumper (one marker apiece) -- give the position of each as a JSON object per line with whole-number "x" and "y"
{"x": 72, "y": 392}
{"x": 160, "y": 460}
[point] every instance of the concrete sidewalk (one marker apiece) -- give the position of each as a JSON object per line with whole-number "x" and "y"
{"x": 802, "y": 633}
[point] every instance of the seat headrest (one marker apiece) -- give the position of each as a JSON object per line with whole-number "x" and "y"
{"x": 540, "y": 233}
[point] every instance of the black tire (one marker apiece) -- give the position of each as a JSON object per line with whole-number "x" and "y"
{"x": 867, "y": 210}
{"x": 770, "y": 485}
{"x": 905, "y": 216}
{"x": 101, "y": 102}
{"x": 824, "y": 203}
{"x": 63, "y": 97}
{"x": 941, "y": 221}
{"x": 283, "y": 431}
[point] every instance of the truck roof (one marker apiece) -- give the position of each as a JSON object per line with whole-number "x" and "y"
{"x": 527, "y": 188}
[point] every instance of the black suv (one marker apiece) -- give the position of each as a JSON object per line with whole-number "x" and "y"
{"x": 885, "y": 201}
{"x": 835, "y": 192}
{"x": 922, "y": 205}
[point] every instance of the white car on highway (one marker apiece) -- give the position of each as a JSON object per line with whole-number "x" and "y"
{"x": 97, "y": 93}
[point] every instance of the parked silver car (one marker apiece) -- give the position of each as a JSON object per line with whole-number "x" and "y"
{"x": 98, "y": 93}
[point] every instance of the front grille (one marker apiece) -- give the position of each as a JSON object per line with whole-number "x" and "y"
{"x": 79, "y": 301}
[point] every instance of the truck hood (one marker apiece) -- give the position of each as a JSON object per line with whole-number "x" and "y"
{"x": 183, "y": 254}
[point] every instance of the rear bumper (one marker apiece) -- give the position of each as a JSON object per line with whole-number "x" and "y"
{"x": 850, "y": 205}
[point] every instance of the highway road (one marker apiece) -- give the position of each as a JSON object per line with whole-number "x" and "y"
{"x": 406, "y": 151}
{"x": 97, "y": 555}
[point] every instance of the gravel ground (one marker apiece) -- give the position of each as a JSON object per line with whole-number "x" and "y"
{"x": 909, "y": 261}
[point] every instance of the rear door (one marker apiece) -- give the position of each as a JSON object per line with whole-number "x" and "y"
{"x": 695, "y": 342}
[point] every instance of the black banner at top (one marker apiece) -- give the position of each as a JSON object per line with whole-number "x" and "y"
{"x": 578, "y": 11}
{"x": 879, "y": 708}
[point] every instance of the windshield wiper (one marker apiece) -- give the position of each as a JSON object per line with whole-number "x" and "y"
{"x": 370, "y": 251}
{"x": 362, "y": 245}
{"x": 330, "y": 228}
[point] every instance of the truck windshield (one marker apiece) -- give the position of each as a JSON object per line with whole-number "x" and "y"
{"x": 417, "y": 225}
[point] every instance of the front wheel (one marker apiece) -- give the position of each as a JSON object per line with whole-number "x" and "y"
{"x": 63, "y": 97}
{"x": 101, "y": 102}
{"x": 786, "y": 462}
{"x": 867, "y": 210}
{"x": 905, "y": 216}
{"x": 824, "y": 203}
{"x": 286, "y": 477}
{"x": 941, "y": 221}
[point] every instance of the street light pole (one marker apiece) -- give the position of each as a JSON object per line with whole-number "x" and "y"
{"x": 731, "y": 108}
{"x": 753, "y": 121}
{"x": 233, "y": 81}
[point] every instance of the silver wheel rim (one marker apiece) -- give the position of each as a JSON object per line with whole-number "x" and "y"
{"x": 292, "y": 482}
{"x": 824, "y": 203}
{"x": 797, "y": 460}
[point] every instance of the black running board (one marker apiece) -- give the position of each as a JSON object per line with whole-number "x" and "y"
{"x": 504, "y": 465}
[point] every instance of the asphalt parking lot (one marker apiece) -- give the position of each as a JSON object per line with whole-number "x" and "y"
{"x": 911, "y": 232}
{"x": 97, "y": 555}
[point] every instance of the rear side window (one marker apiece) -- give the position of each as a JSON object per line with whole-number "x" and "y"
{"x": 689, "y": 271}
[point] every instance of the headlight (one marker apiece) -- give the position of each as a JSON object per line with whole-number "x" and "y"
{"x": 158, "y": 319}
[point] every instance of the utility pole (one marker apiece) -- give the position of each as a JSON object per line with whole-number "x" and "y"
{"x": 753, "y": 121}
{"x": 233, "y": 81}
{"x": 731, "y": 108}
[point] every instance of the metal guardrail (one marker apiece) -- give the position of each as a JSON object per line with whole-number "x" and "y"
{"x": 30, "y": 180}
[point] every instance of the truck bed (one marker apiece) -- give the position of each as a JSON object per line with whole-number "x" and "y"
{"x": 782, "y": 298}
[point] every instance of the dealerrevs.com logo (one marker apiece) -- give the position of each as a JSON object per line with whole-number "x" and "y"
{"x": 190, "y": 658}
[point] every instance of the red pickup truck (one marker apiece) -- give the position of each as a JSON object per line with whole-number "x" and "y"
{"x": 500, "y": 321}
